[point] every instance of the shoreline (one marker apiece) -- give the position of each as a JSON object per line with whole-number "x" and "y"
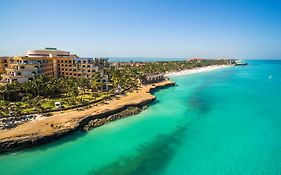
{"x": 196, "y": 70}
{"x": 51, "y": 128}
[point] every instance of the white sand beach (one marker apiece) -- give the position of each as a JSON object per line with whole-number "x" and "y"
{"x": 196, "y": 70}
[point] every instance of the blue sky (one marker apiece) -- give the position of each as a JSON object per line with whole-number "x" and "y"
{"x": 144, "y": 28}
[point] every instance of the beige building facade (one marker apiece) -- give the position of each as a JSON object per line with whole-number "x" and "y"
{"x": 49, "y": 62}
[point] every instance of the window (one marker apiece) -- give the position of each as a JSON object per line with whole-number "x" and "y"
{"x": 42, "y": 55}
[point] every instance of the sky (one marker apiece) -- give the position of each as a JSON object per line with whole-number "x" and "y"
{"x": 245, "y": 29}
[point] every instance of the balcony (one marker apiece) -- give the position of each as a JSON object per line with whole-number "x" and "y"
{"x": 11, "y": 76}
{"x": 13, "y": 63}
{"x": 13, "y": 70}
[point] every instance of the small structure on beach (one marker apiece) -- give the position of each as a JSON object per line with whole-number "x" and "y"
{"x": 118, "y": 90}
{"x": 58, "y": 105}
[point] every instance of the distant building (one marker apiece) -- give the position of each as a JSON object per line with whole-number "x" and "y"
{"x": 49, "y": 62}
{"x": 153, "y": 78}
{"x": 120, "y": 64}
{"x": 101, "y": 62}
{"x": 198, "y": 60}
{"x": 104, "y": 80}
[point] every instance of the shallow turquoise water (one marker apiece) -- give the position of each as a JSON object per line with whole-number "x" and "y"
{"x": 221, "y": 122}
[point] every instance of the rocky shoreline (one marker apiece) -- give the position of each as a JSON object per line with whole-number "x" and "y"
{"x": 48, "y": 130}
{"x": 125, "y": 113}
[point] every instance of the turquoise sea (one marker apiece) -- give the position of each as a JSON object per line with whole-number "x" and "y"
{"x": 224, "y": 122}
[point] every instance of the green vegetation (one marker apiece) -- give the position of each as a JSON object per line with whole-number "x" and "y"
{"x": 40, "y": 94}
{"x": 168, "y": 66}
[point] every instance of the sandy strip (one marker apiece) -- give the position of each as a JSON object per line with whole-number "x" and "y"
{"x": 29, "y": 133}
{"x": 196, "y": 70}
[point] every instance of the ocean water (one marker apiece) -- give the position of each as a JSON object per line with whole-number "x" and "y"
{"x": 222, "y": 122}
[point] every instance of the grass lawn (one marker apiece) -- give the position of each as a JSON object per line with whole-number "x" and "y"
{"x": 48, "y": 104}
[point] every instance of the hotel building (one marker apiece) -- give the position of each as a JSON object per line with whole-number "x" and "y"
{"x": 49, "y": 62}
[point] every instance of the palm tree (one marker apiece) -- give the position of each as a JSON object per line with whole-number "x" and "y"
{"x": 70, "y": 86}
{"x": 15, "y": 109}
{"x": 37, "y": 104}
{"x": 4, "y": 108}
{"x": 72, "y": 101}
{"x": 7, "y": 91}
{"x": 83, "y": 85}
{"x": 96, "y": 83}
{"x": 52, "y": 86}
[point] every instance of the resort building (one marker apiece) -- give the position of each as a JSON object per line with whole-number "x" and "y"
{"x": 195, "y": 60}
{"x": 49, "y": 62}
{"x": 101, "y": 62}
{"x": 77, "y": 67}
{"x": 105, "y": 80}
{"x": 131, "y": 64}
{"x": 22, "y": 69}
{"x": 153, "y": 78}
